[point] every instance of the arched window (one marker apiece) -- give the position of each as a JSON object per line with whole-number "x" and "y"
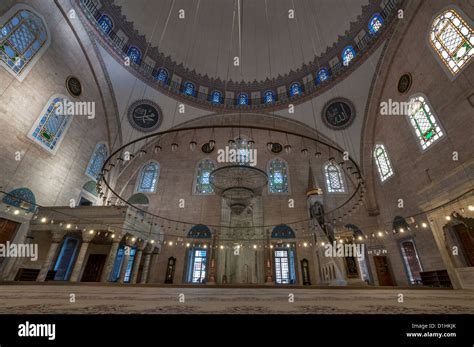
{"x": 243, "y": 99}
{"x": 423, "y": 120}
{"x": 203, "y": 183}
{"x": 334, "y": 180}
{"x": 148, "y": 178}
{"x": 282, "y": 231}
{"x": 295, "y": 89}
{"x": 269, "y": 97}
{"x": 134, "y": 55}
{"x": 347, "y": 55}
{"x": 51, "y": 126}
{"x": 216, "y": 97}
{"x": 199, "y": 231}
{"x": 162, "y": 76}
{"x": 375, "y": 23}
{"x": 24, "y": 37}
{"x": 322, "y": 75}
{"x": 189, "y": 89}
{"x": 97, "y": 160}
{"x": 22, "y": 198}
{"x": 106, "y": 24}
{"x": 452, "y": 38}
{"x": 278, "y": 176}
{"x": 384, "y": 166}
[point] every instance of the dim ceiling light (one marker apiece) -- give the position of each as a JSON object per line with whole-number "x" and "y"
{"x": 16, "y": 212}
{"x": 133, "y": 239}
{"x": 360, "y": 238}
{"x": 68, "y": 226}
{"x": 113, "y": 236}
{"x": 43, "y": 220}
{"x": 424, "y": 225}
{"x": 91, "y": 231}
{"x": 187, "y": 245}
{"x": 205, "y": 246}
{"x": 470, "y": 207}
{"x": 305, "y": 244}
{"x": 402, "y": 230}
{"x": 152, "y": 241}
{"x": 170, "y": 243}
{"x": 322, "y": 243}
{"x": 221, "y": 247}
{"x": 271, "y": 246}
{"x": 254, "y": 246}
{"x": 380, "y": 234}
{"x": 448, "y": 217}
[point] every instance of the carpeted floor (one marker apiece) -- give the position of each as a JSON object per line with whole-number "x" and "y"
{"x": 96, "y": 299}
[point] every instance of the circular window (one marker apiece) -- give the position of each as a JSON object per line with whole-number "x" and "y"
{"x": 404, "y": 83}
{"x": 74, "y": 86}
{"x": 145, "y": 115}
{"x": 338, "y": 113}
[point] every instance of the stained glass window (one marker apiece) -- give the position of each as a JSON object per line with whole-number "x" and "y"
{"x": 97, "y": 160}
{"x": 105, "y": 23}
{"x": 189, "y": 89}
{"x": 216, "y": 97}
{"x": 148, "y": 178}
{"x": 243, "y": 99}
{"x": 423, "y": 120}
{"x": 375, "y": 23}
{"x": 269, "y": 97}
{"x": 278, "y": 176}
{"x": 412, "y": 262}
{"x": 197, "y": 265}
{"x": 162, "y": 75}
{"x": 131, "y": 260}
{"x": 21, "y": 197}
{"x": 384, "y": 166}
{"x": 21, "y": 38}
{"x": 295, "y": 89}
{"x": 322, "y": 75}
{"x": 334, "y": 180}
{"x": 203, "y": 184}
{"x": 453, "y": 40}
{"x": 134, "y": 55}
{"x": 51, "y": 126}
{"x": 284, "y": 266}
{"x": 283, "y": 231}
{"x": 347, "y": 55}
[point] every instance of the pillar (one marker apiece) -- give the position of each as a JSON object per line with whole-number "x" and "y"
{"x": 79, "y": 264}
{"x": 268, "y": 261}
{"x": 146, "y": 262}
{"x": 212, "y": 270}
{"x": 109, "y": 263}
{"x": 56, "y": 238}
{"x": 137, "y": 261}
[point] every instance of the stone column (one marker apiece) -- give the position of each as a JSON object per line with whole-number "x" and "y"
{"x": 109, "y": 264}
{"x": 212, "y": 268}
{"x": 56, "y": 238}
{"x": 138, "y": 258}
{"x": 79, "y": 264}
{"x": 268, "y": 261}
{"x": 146, "y": 263}
{"x": 126, "y": 258}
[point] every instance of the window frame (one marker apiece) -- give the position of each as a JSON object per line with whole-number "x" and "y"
{"x": 195, "y": 180}
{"x": 140, "y": 175}
{"x": 383, "y": 180}
{"x": 93, "y": 157}
{"x": 341, "y": 175}
{"x": 269, "y": 165}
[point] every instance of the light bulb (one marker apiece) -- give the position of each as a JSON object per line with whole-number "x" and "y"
{"x": 174, "y": 147}
{"x": 192, "y": 145}
{"x": 212, "y": 143}
{"x": 288, "y": 149}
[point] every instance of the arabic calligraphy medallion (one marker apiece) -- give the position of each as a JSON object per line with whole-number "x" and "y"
{"x": 338, "y": 113}
{"x": 145, "y": 115}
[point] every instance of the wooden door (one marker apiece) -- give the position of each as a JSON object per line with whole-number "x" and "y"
{"x": 93, "y": 270}
{"x": 8, "y": 229}
{"x": 383, "y": 271}
{"x": 466, "y": 239}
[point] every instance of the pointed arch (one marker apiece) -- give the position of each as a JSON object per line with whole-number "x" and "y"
{"x": 334, "y": 179}
{"x": 424, "y": 121}
{"x": 202, "y": 183}
{"x": 382, "y": 161}
{"x": 452, "y": 39}
{"x": 278, "y": 176}
{"x": 97, "y": 160}
{"x": 148, "y": 177}
{"x": 52, "y": 124}
{"x": 24, "y": 37}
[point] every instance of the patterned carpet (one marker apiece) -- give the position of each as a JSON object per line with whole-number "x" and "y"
{"x": 94, "y": 299}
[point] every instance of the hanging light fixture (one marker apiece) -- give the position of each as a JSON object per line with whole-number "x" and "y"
{"x": 157, "y": 149}
{"x": 304, "y": 151}
{"x": 174, "y": 146}
{"x": 269, "y": 146}
{"x": 192, "y": 145}
{"x": 141, "y": 153}
{"x": 317, "y": 154}
{"x": 287, "y": 149}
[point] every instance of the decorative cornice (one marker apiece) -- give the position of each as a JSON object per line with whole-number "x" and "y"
{"x": 364, "y": 48}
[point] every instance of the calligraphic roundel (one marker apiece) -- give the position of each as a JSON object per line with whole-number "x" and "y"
{"x": 145, "y": 115}
{"x": 338, "y": 113}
